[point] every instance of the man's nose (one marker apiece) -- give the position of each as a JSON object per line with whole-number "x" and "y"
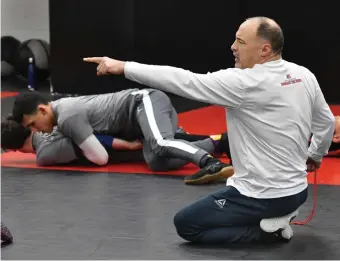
{"x": 233, "y": 46}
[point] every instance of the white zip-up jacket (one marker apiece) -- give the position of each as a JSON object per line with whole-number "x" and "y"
{"x": 272, "y": 110}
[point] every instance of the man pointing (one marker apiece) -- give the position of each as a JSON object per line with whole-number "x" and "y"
{"x": 273, "y": 107}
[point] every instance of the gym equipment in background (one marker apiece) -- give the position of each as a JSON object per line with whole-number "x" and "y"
{"x": 33, "y": 61}
{"x": 9, "y": 51}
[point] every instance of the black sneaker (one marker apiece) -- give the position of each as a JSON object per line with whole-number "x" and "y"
{"x": 212, "y": 172}
{"x": 222, "y": 146}
{"x": 181, "y": 130}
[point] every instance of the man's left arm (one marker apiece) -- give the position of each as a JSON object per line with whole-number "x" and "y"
{"x": 322, "y": 126}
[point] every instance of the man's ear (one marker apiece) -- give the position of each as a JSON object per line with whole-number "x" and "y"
{"x": 266, "y": 50}
{"x": 42, "y": 109}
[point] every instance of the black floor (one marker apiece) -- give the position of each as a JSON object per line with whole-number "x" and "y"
{"x": 76, "y": 215}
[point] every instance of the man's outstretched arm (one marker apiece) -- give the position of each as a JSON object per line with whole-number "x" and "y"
{"x": 223, "y": 87}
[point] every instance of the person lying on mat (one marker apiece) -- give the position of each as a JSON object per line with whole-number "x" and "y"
{"x": 55, "y": 148}
{"x": 273, "y": 107}
{"x": 131, "y": 114}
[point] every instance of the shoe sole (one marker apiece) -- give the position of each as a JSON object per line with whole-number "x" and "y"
{"x": 223, "y": 174}
{"x": 269, "y": 226}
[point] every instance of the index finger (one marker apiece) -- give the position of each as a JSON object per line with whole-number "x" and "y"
{"x": 93, "y": 59}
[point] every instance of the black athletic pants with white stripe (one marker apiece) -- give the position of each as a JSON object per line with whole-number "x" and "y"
{"x": 157, "y": 119}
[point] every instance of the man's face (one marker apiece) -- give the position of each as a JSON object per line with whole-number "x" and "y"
{"x": 336, "y": 137}
{"x": 42, "y": 120}
{"x": 248, "y": 48}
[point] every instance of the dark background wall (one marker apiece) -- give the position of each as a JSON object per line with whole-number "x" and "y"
{"x": 194, "y": 35}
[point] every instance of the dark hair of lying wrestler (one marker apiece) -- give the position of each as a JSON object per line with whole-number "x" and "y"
{"x": 14, "y": 136}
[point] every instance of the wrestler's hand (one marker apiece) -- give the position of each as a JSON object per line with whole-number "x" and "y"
{"x": 312, "y": 165}
{"x": 107, "y": 65}
{"x": 119, "y": 144}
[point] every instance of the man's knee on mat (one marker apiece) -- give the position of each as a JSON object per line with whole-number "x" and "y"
{"x": 184, "y": 227}
{"x": 156, "y": 165}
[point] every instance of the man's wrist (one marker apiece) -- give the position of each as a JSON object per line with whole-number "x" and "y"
{"x": 126, "y": 68}
{"x": 122, "y": 67}
{"x": 315, "y": 157}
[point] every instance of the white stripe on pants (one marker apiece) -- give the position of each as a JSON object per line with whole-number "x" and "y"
{"x": 155, "y": 130}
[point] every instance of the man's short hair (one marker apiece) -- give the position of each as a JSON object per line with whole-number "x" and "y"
{"x": 27, "y": 104}
{"x": 272, "y": 32}
{"x": 13, "y": 134}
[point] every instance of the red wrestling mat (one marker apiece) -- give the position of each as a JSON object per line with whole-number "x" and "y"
{"x": 329, "y": 172}
{"x": 204, "y": 121}
{"x": 335, "y": 109}
{"x": 8, "y": 94}
{"x": 209, "y": 120}
{"x": 26, "y": 160}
